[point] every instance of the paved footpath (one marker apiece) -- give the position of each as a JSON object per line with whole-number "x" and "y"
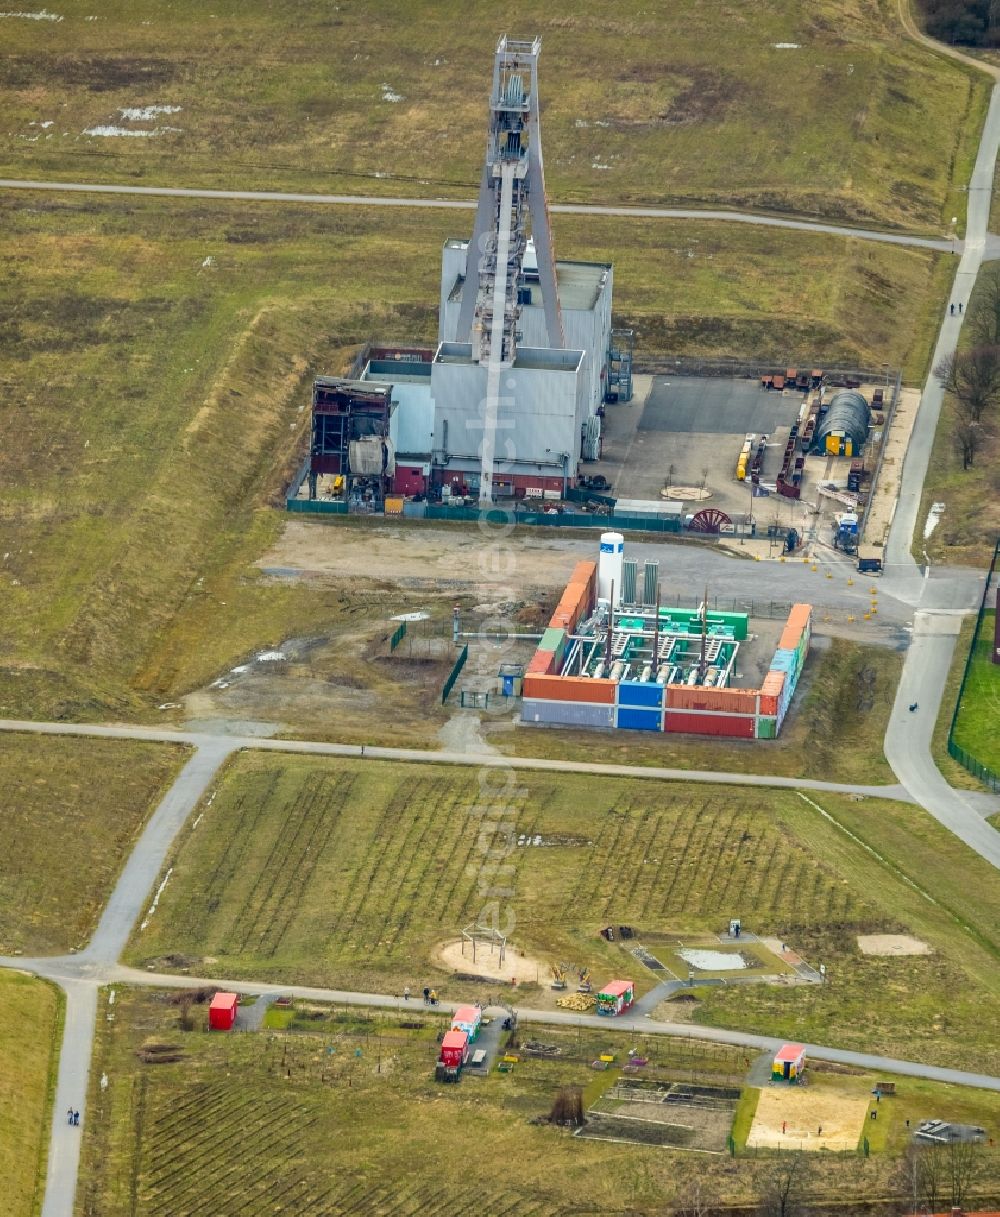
{"x": 593, "y": 209}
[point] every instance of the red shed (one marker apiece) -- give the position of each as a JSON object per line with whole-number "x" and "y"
{"x": 454, "y": 1049}
{"x": 222, "y": 1012}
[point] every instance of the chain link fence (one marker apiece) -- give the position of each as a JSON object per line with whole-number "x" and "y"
{"x": 987, "y": 776}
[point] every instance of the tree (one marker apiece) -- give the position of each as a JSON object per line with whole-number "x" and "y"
{"x": 782, "y": 1191}
{"x": 973, "y": 378}
{"x": 968, "y": 436}
{"x": 934, "y": 1176}
{"x": 695, "y": 1201}
{"x": 984, "y": 311}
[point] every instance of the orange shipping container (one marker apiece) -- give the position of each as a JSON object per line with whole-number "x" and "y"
{"x": 800, "y": 615}
{"x": 586, "y": 573}
{"x": 791, "y": 636}
{"x": 570, "y": 688}
{"x": 732, "y": 701}
{"x": 770, "y": 692}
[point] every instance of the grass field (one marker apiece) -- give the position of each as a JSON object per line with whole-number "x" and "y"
{"x": 72, "y": 810}
{"x": 341, "y": 1115}
{"x": 698, "y": 104}
{"x": 189, "y": 383}
{"x": 977, "y": 728}
{"x": 29, "y": 1029}
{"x": 926, "y": 1007}
{"x": 348, "y": 875}
{"x": 956, "y": 775}
{"x": 834, "y": 731}
{"x": 969, "y": 526}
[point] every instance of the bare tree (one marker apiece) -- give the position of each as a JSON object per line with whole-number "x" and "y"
{"x": 973, "y": 377}
{"x": 695, "y": 1200}
{"x": 968, "y": 436}
{"x": 984, "y": 312}
{"x": 960, "y": 1168}
{"x": 782, "y": 1192}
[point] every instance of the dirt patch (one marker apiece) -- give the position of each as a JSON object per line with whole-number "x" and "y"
{"x": 891, "y": 944}
{"x": 516, "y": 965}
{"x": 792, "y": 1117}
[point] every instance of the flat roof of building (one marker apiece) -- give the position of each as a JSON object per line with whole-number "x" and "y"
{"x": 580, "y": 284}
{"x": 538, "y": 359}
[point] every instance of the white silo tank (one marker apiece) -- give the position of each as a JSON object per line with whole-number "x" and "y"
{"x": 609, "y": 567}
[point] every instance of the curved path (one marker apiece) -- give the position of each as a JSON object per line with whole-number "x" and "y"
{"x": 359, "y": 200}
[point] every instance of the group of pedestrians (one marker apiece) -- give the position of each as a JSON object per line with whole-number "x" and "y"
{"x": 430, "y": 995}
{"x": 959, "y": 309}
{"x": 73, "y": 1117}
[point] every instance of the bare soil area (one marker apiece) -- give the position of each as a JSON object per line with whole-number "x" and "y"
{"x": 516, "y": 965}
{"x": 804, "y": 1117}
{"x": 891, "y": 944}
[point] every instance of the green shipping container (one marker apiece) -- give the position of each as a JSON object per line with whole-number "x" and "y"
{"x": 554, "y": 640}
{"x": 767, "y": 728}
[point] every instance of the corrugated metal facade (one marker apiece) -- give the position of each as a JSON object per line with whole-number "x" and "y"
{"x": 538, "y": 416}
{"x": 585, "y": 329}
{"x": 566, "y": 713}
{"x": 636, "y": 693}
{"x": 735, "y": 726}
{"x": 632, "y": 718}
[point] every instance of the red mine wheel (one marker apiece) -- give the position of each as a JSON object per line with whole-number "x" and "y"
{"x": 709, "y": 519}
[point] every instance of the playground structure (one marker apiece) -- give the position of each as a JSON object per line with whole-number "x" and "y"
{"x": 475, "y": 935}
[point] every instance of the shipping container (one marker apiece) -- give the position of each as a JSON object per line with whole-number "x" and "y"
{"x": 770, "y": 692}
{"x": 735, "y": 726}
{"x": 790, "y": 638}
{"x": 454, "y": 1049}
{"x": 767, "y": 728}
{"x": 574, "y": 688}
{"x": 801, "y": 615}
{"x": 727, "y": 701}
{"x": 637, "y": 693}
{"x": 542, "y": 663}
{"x": 468, "y": 1019}
{"x": 783, "y": 661}
{"x": 222, "y": 1011}
{"x": 632, "y": 718}
{"x": 615, "y": 997}
{"x": 566, "y": 713}
{"x": 586, "y": 573}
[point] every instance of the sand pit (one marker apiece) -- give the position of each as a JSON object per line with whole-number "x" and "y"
{"x": 516, "y": 966}
{"x": 811, "y": 1118}
{"x": 891, "y": 944}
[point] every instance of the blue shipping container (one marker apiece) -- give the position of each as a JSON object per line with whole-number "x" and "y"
{"x": 630, "y": 719}
{"x": 635, "y": 693}
{"x": 784, "y": 661}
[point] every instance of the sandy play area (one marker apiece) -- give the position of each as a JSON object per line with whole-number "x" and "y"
{"x": 811, "y": 1118}
{"x": 516, "y": 965}
{"x": 891, "y": 944}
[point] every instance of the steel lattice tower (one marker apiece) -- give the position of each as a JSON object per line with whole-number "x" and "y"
{"x": 512, "y": 188}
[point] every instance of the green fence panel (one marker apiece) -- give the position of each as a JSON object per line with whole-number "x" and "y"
{"x": 397, "y": 636}
{"x": 449, "y": 684}
{"x": 956, "y": 751}
{"x": 316, "y": 507}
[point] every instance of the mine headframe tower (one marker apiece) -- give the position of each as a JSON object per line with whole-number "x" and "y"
{"x": 512, "y": 189}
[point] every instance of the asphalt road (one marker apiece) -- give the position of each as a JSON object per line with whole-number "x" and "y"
{"x": 360, "y": 200}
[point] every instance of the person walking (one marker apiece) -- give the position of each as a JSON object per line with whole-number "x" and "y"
{"x": 76, "y": 1118}
{"x": 69, "y": 1116}
{"x": 427, "y": 995}
{"x": 960, "y": 310}
{"x": 953, "y": 310}
{"x": 406, "y": 993}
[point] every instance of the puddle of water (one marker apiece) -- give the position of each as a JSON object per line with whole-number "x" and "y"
{"x": 707, "y": 960}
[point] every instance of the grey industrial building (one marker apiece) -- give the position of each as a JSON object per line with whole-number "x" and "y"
{"x": 511, "y": 399}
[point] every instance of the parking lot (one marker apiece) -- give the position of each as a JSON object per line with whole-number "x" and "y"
{"x": 688, "y": 431}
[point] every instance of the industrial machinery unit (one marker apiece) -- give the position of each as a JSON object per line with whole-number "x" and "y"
{"x": 350, "y": 437}
{"x": 613, "y": 656}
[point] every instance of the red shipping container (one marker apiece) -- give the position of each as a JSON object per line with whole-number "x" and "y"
{"x": 222, "y": 1011}
{"x": 695, "y": 697}
{"x": 542, "y": 663}
{"x": 454, "y": 1049}
{"x": 734, "y": 726}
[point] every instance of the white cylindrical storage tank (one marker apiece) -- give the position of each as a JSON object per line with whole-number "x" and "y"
{"x": 609, "y": 567}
